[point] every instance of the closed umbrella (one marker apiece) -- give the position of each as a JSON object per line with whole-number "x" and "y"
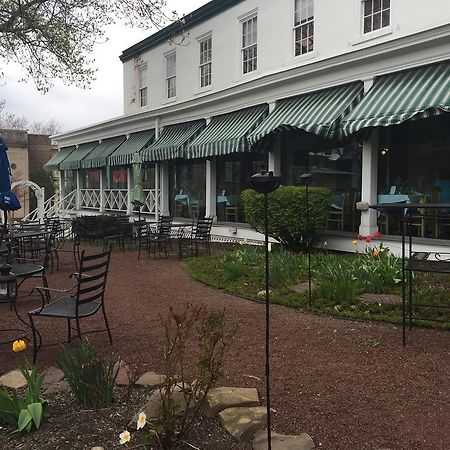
{"x": 8, "y": 200}
{"x": 137, "y": 194}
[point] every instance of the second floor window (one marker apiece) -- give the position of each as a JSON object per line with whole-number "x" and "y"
{"x": 206, "y": 62}
{"x": 171, "y": 75}
{"x": 142, "y": 86}
{"x": 304, "y": 26}
{"x": 249, "y": 45}
{"x": 376, "y": 14}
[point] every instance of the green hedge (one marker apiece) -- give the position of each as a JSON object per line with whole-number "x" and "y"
{"x": 287, "y": 213}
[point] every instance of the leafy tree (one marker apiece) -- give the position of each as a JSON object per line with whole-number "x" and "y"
{"x": 55, "y": 38}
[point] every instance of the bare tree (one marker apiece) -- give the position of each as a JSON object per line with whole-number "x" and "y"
{"x": 12, "y": 122}
{"x": 53, "y": 39}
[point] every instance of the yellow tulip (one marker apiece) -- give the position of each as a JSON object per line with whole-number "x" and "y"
{"x": 19, "y": 346}
{"x": 354, "y": 242}
{"x": 124, "y": 437}
{"x": 141, "y": 421}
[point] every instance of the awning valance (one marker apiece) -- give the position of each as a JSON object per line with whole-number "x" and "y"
{"x": 135, "y": 143}
{"x": 99, "y": 156}
{"x": 172, "y": 140}
{"x": 227, "y": 133}
{"x": 73, "y": 161}
{"x": 63, "y": 153}
{"x": 316, "y": 112}
{"x": 412, "y": 94}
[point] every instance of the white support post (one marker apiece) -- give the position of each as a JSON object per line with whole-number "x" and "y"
{"x": 129, "y": 189}
{"x": 164, "y": 186}
{"x": 102, "y": 190}
{"x": 211, "y": 188}
{"x": 274, "y": 156}
{"x": 78, "y": 195}
{"x": 369, "y": 184}
{"x": 157, "y": 188}
{"x": 62, "y": 188}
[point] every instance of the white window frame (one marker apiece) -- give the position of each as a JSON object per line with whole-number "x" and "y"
{"x": 303, "y": 27}
{"x": 385, "y": 7}
{"x": 143, "y": 88}
{"x": 249, "y": 44}
{"x": 205, "y": 61}
{"x": 171, "y": 75}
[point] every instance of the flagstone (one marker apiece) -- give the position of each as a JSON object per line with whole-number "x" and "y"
{"x": 243, "y": 422}
{"x": 13, "y": 380}
{"x": 283, "y": 442}
{"x": 150, "y": 379}
{"x": 222, "y": 398}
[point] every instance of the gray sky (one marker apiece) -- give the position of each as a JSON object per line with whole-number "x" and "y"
{"x": 73, "y": 107}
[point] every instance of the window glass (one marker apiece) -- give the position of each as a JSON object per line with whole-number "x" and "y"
{"x": 376, "y": 14}
{"x": 303, "y": 27}
{"x": 117, "y": 178}
{"x": 143, "y": 86}
{"x": 205, "y": 62}
{"x": 249, "y": 45}
{"x": 90, "y": 178}
{"x": 171, "y": 72}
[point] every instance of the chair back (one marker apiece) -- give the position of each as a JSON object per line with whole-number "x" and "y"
{"x": 202, "y": 230}
{"x": 92, "y": 278}
{"x": 164, "y": 226}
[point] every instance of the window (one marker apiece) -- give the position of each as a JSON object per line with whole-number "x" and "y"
{"x": 142, "y": 71}
{"x": 304, "y": 26}
{"x": 205, "y": 61}
{"x": 376, "y": 14}
{"x": 249, "y": 46}
{"x": 171, "y": 76}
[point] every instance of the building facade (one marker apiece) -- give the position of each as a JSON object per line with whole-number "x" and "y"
{"x": 355, "y": 92}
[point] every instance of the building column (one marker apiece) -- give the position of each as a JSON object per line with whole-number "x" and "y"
{"x": 274, "y": 156}
{"x": 211, "y": 188}
{"x": 157, "y": 189}
{"x": 369, "y": 184}
{"x": 102, "y": 190}
{"x": 164, "y": 187}
{"x": 78, "y": 194}
{"x": 129, "y": 191}
{"x": 62, "y": 188}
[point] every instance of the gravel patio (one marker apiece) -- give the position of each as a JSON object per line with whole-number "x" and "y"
{"x": 328, "y": 379}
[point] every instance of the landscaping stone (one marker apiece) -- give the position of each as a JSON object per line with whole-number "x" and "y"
{"x": 125, "y": 374}
{"x": 150, "y": 379}
{"x": 302, "y": 287}
{"x": 13, "y": 380}
{"x": 385, "y": 299}
{"x": 97, "y": 448}
{"x": 60, "y": 386}
{"x": 52, "y": 375}
{"x": 283, "y": 442}
{"x": 243, "y": 422}
{"x": 222, "y": 398}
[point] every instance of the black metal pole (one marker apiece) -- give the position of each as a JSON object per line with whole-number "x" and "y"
{"x": 308, "y": 243}
{"x": 266, "y": 240}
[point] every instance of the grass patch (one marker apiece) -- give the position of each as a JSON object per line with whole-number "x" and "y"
{"x": 339, "y": 279}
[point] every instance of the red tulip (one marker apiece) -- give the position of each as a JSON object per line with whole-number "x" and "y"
{"x": 359, "y": 237}
{"x": 377, "y": 235}
{"x": 368, "y": 238}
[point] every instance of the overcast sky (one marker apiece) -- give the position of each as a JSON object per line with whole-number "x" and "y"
{"x": 73, "y": 107}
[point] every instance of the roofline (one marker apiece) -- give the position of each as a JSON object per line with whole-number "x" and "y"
{"x": 195, "y": 17}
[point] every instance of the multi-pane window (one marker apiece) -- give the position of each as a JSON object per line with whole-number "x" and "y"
{"x": 376, "y": 14}
{"x": 249, "y": 45}
{"x": 171, "y": 75}
{"x": 304, "y": 26}
{"x": 142, "y": 72}
{"x": 205, "y": 62}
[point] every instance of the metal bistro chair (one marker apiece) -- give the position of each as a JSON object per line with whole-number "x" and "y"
{"x": 85, "y": 302}
{"x": 160, "y": 238}
{"x": 200, "y": 234}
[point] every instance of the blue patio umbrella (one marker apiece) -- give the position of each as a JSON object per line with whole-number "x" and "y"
{"x": 8, "y": 200}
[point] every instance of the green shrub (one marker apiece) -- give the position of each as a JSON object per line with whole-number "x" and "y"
{"x": 20, "y": 413}
{"x": 287, "y": 212}
{"x": 91, "y": 378}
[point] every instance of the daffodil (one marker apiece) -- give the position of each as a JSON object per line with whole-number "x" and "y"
{"x": 125, "y": 437}
{"x": 19, "y": 346}
{"x": 141, "y": 421}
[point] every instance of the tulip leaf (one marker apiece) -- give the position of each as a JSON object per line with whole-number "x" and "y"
{"x": 24, "y": 420}
{"x": 36, "y": 412}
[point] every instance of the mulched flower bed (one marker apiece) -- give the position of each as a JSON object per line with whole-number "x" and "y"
{"x": 328, "y": 379}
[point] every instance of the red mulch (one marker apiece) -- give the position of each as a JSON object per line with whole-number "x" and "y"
{"x": 325, "y": 380}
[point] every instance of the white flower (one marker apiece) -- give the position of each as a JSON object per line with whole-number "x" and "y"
{"x": 141, "y": 421}
{"x": 124, "y": 437}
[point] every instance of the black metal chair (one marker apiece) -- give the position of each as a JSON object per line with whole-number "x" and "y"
{"x": 159, "y": 239}
{"x": 87, "y": 299}
{"x": 199, "y": 235}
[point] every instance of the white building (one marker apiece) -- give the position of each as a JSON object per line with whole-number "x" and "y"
{"x": 356, "y": 92}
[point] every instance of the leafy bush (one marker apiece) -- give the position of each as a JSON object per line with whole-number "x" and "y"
{"x": 287, "y": 211}
{"x": 90, "y": 377}
{"x": 23, "y": 414}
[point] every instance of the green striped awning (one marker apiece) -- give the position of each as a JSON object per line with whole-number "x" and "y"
{"x": 172, "y": 140}
{"x": 73, "y": 161}
{"x": 412, "y": 94}
{"x": 227, "y": 133}
{"x": 63, "y": 153}
{"x": 135, "y": 143}
{"x": 316, "y": 112}
{"x": 99, "y": 156}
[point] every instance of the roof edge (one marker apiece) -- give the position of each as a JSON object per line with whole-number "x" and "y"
{"x": 197, "y": 16}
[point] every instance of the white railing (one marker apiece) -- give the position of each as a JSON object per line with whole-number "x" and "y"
{"x": 55, "y": 206}
{"x": 33, "y": 215}
{"x": 150, "y": 201}
{"x": 90, "y": 198}
{"x": 116, "y": 199}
